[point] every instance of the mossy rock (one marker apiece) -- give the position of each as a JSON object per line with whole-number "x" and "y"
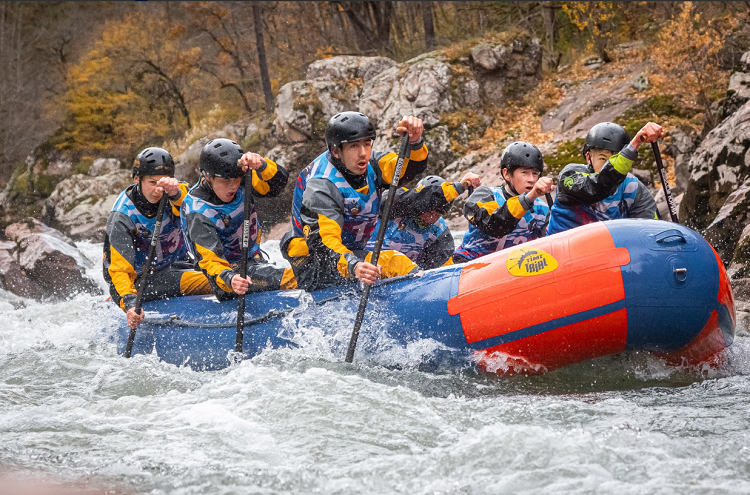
{"x": 566, "y": 153}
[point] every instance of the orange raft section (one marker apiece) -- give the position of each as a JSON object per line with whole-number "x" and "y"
{"x": 490, "y": 301}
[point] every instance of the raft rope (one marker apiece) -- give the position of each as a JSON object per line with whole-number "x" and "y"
{"x": 178, "y": 322}
{"x": 273, "y": 313}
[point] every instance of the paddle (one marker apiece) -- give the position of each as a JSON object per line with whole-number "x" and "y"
{"x": 403, "y": 145}
{"x": 664, "y": 182}
{"x": 243, "y": 260}
{"x": 147, "y": 269}
{"x": 550, "y": 201}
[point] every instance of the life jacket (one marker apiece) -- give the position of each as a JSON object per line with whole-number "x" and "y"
{"x": 171, "y": 246}
{"x": 403, "y": 235}
{"x": 615, "y": 206}
{"x": 530, "y": 226}
{"x": 360, "y": 208}
{"x": 228, "y": 220}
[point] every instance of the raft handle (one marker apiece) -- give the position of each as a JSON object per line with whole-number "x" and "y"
{"x": 664, "y": 237}
{"x": 680, "y": 274}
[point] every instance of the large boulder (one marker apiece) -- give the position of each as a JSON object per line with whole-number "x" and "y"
{"x": 348, "y": 67}
{"x": 716, "y": 167}
{"x": 79, "y": 205}
{"x": 333, "y": 85}
{"x": 419, "y": 87}
{"x": 506, "y": 72}
{"x": 41, "y": 263}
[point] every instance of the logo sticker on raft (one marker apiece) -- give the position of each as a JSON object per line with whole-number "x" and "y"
{"x": 526, "y": 262}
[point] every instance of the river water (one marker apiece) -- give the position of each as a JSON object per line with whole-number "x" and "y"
{"x": 300, "y": 421}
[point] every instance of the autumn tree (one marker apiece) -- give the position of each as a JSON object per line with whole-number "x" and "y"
{"x": 597, "y": 19}
{"x": 131, "y": 88}
{"x": 687, "y": 51}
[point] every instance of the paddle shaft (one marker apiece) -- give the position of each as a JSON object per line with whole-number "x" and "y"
{"x": 664, "y": 182}
{"x": 378, "y": 244}
{"x": 147, "y": 268}
{"x": 243, "y": 260}
{"x": 550, "y": 201}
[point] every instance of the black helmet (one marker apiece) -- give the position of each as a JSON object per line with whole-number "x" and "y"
{"x": 606, "y": 136}
{"x": 521, "y": 154}
{"x": 219, "y": 159}
{"x": 347, "y": 127}
{"x": 153, "y": 161}
{"x": 434, "y": 180}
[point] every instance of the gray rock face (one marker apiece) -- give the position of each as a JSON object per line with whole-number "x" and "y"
{"x": 421, "y": 87}
{"x": 42, "y": 263}
{"x": 333, "y": 85}
{"x": 598, "y": 99}
{"x": 720, "y": 163}
{"x": 507, "y": 71}
{"x": 348, "y": 67}
{"x": 79, "y": 205}
{"x": 680, "y": 147}
{"x": 725, "y": 231}
{"x": 104, "y": 166}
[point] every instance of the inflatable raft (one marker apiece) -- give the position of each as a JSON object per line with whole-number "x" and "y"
{"x": 600, "y": 289}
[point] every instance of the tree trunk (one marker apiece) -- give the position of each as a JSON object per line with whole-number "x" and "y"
{"x": 264, "y": 79}
{"x": 429, "y": 28}
{"x": 548, "y": 14}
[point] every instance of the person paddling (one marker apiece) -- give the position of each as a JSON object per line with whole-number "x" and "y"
{"x": 418, "y": 229}
{"x": 501, "y": 217}
{"x": 604, "y": 188}
{"x": 337, "y": 202}
{"x": 128, "y": 234}
{"x": 213, "y": 215}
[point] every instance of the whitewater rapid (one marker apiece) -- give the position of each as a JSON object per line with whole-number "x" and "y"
{"x": 301, "y": 421}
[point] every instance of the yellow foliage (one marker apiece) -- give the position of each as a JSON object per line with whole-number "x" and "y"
{"x": 686, "y": 58}
{"x": 129, "y": 89}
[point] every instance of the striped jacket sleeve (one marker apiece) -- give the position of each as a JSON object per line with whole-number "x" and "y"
{"x": 270, "y": 179}
{"x": 484, "y": 212}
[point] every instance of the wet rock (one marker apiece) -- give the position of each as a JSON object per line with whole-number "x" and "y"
{"x": 726, "y": 229}
{"x": 716, "y": 167}
{"x": 506, "y": 72}
{"x": 42, "y": 263}
{"x": 739, "y": 267}
{"x": 104, "y": 166}
{"x": 79, "y": 205}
